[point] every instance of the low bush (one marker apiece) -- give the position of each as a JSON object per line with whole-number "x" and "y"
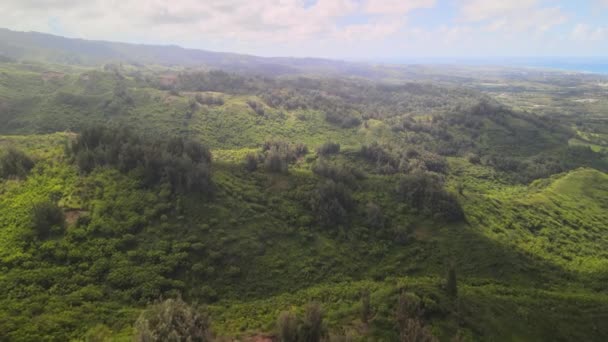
{"x": 332, "y": 203}
{"x": 47, "y": 219}
{"x": 425, "y": 192}
{"x": 328, "y": 148}
{"x": 172, "y": 320}
{"x": 15, "y": 163}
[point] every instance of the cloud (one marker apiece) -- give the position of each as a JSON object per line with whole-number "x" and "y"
{"x": 479, "y": 10}
{"x": 584, "y": 32}
{"x": 396, "y": 7}
{"x": 220, "y": 23}
{"x": 333, "y": 28}
{"x": 514, "y": 16}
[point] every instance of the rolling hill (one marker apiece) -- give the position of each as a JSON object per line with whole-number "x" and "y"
{"x": 255, "y": 195}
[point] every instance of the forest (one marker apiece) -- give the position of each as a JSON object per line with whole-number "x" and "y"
{"x": 165, "y": 203}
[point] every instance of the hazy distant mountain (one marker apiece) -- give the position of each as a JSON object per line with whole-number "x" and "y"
{"x": 42, "y": 47}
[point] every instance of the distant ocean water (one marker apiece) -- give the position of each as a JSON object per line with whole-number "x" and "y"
{"x": 598, "y": 65}
{"x": 591, "y": 66}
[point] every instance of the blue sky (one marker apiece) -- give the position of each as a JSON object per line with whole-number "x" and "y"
{"x": 354, "y": 29}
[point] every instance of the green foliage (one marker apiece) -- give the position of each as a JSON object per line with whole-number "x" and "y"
{"x": 424, "y": 191}
{"x": 366, "y": 310}
{"x": 210, "y": 100}
{"x": 332, "y": 203}
{"x": 328, "y": 148}
{"x": 312, "y": 328}
{"x": 278, "y": 154}
{"x": 47, "y": 219}
{"x": 183, "y": 164}
{"x": 408, "y": 314}
{"x": 99, "y": 333}
{"x": 287, "y": 326}
{"x": 451, "y": 285}
{"x": 251, "y": 162}
{"x": 172, "y": 320}
{"x": 15, "y": 163}
{"x": 337, "y": 172}
{"x": 531, "y": 253}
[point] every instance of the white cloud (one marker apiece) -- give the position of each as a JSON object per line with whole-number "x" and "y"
{"x": 396, "y": 7}
{"x": 333, "y": 28}
{"x": 269, "y": 20}
{"x": 514, "y": 16}
{"x": 478, "y": 10}
{"x": 583, "y": 32}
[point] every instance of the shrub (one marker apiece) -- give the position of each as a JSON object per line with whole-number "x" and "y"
{"x": 366, "y": 310}
{"x": 451, "y": 284}
{"x": 407, "y": 316}
{"x": 278, "y": 154}
{"x": 424, "y": 191}
{"x": 474, "y": 159}
{"x": 275, "y": 161}
{"x": 251, "y": 162}
{"x": 332, "y": 203}
{"x": 172, "y": 320}
{"x": 374, "y": 216}
{"x": 257, "y": 107}
{"x": 99, "y": 333}
{"x": 183, "y": 164}
{"x": 414, "y": 331}
{"x": 343, "y": 118}
{"x": 312, "y": 329}
{"x": 287, "y": 325}
{"x": 328, "y": 148}
{"x": 385, "y": 161}
{"x": 47, "y": 218}
{"x": 15, "y": 163}
{"x": 337, "y": 172}
{"x": 209, "y": 100}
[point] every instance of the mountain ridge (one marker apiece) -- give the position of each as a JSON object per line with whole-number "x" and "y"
{"x": 44, "y": 47}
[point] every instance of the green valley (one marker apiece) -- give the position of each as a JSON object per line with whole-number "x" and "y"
{"x": 408, "y": 200}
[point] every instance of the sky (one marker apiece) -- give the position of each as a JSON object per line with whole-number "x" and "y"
{"x": 348, "y": 29}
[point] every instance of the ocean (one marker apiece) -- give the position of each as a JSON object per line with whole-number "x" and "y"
{"x": 598, "y": 65}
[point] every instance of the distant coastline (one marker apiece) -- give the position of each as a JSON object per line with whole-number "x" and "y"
{"x": 596, "y": 65}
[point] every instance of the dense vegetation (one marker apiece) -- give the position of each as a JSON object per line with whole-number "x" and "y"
{"x": 182, "y": 164}
{"x": 333, "y": 208}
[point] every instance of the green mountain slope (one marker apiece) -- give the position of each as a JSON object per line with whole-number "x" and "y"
{"x": 255, "y": 242}
{"x": 320, "y": 189}
{"x": 47, "y": 48}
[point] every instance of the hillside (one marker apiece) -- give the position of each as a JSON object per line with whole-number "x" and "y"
{"x": 253, "y": 195}
{"x": 47, "y": 48}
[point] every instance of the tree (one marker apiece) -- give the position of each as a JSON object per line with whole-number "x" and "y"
{"x": 47, "y": 218}
{"x": 276, "y": 161}
{"x": 409, "y": 325}
{"x": 332, "y": 203}
{"x": 15, "y": 163}
{"x": 99, "y": 333}
{"x": 182, "y": 163}
{"x": 414, "y": 331}
{"x": 373, "y": 216}
{"x": 287, "y": 325}
{"x": 172, "y": 320}
{"x": 312, "y": 329}
{"x": 251, "y": 162}
{"x": 328, "y": 148}
{"x": 366, "y": 310}
{"x": 451, "y": 284}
